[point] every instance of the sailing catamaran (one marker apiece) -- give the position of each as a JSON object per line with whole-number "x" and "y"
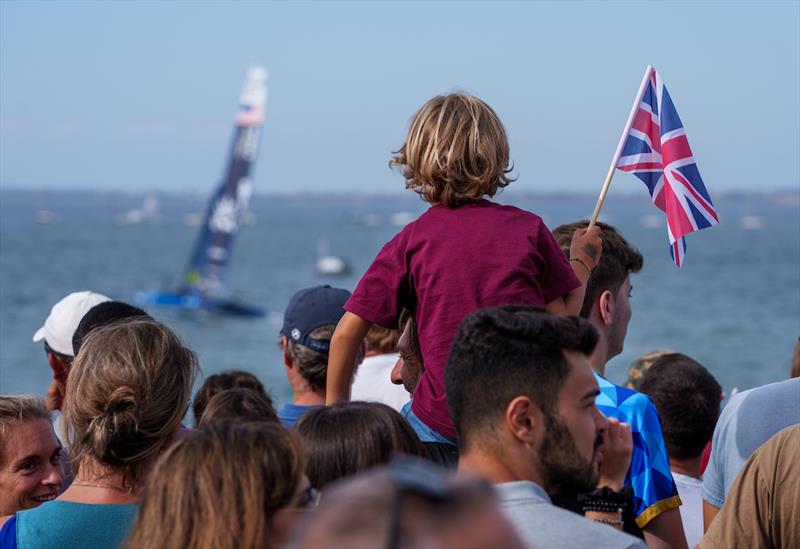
{"x": 203, "y": 285}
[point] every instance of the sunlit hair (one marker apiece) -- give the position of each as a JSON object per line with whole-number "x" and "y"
{"x": 312, "y": 365}
{"x": 16, "y": 409}
{"x": 456, "y": 151}
{"x": 795, "y": 371}
{"x": 238, "y": 405}
{"x": 127, "y": 391}
{"x": 640, "y": 365}
{"x": 382, "y": 340}
{"x": 219, "y": 488}
{"x": 618, "y": 260}
{"x": 349, "y": 437}
{"x": 229, "y": 379}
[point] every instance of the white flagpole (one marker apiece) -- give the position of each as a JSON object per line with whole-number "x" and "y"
{"x": 620, "y": 146}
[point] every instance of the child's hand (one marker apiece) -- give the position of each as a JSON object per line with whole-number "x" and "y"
{"x": 616, "y": 449}
{"x": 586, "y": 246}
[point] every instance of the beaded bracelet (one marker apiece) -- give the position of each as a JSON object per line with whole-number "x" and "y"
{"x": 602, "y": 507}
{"x": 579, "y": 260}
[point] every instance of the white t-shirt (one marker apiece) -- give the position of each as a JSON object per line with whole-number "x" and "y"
{"x": 373, "y": 383}
{"x": 690, "y": 491}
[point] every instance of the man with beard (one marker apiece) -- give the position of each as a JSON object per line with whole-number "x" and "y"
{"x": 521, "y": 394}
{"x": 406, "y": 372}
{"x": 655, "y": 514}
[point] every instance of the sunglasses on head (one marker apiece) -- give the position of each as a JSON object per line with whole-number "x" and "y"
{"x": 416, "y": 477}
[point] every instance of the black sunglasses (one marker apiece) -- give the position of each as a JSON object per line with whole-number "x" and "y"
{"x": 413, "y": 476}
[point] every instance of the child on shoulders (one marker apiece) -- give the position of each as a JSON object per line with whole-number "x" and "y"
{"x": 464, "y": 253}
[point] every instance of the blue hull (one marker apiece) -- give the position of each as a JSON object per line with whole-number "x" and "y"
{"x": 195, "y": 302}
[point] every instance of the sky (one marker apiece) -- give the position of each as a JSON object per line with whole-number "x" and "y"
{"x": 140, "y": 96}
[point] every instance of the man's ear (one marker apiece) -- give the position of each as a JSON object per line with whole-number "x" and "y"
{"x": 606, "y": 304}
{"x": 524, "y": 420}
{"x": 287, "y": 360}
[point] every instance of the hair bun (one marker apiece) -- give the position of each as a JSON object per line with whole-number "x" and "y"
{"x": 117, "y": 435}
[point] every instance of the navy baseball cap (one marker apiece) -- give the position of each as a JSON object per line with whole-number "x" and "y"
{"x": 308, "y": 310}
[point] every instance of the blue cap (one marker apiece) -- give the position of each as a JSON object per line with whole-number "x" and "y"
{"x": 308, "y": 310}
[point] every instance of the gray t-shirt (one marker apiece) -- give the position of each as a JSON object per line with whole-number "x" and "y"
{"x": 541, "y": 524}
{"x": 747, "y": 422}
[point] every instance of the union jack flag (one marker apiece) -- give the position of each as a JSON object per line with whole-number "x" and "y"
{"x": 657, "y": 152}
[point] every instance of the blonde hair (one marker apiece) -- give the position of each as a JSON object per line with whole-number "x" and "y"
{"x": 456, "y": 151}
{"x": 16, "y": 409}
{"x": 219, "y": 488}
{"x": 127, "y": 391}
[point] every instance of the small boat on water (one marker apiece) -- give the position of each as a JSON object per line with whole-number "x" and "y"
{"x": 203, "y": 285}
{"x": 148, "y": 212}
{"x": 327, "y": 264}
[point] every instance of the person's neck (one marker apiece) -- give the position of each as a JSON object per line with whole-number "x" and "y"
{"x": 691, "y": 467}
{"x": 496, "y": 468}
{"x": 598, "y": 358}
{"x": 305, "y": 396}
{"x": 99, "y": 484}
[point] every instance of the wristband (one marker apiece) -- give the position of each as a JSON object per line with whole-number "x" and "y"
{"x": 606, "y": 500}
{"x": 579, "y": 260}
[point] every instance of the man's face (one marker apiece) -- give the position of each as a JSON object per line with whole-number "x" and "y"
{"x": 574, "y": 432}
{"x": 408, "y": 367}
{"x": 31, "y": 470}
{"x": 619, "y": 321}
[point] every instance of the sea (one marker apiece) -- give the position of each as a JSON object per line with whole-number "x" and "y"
{"x": 734, "y": 306}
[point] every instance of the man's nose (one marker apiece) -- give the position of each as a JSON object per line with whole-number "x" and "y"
{"x": 395, "y": 376}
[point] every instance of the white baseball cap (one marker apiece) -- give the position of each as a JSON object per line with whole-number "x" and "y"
{"x": 64, "y": 319}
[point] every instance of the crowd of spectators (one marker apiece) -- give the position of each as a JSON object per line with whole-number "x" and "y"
{"x": 457, "y": 398}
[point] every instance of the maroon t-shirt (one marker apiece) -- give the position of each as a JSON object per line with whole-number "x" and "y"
{"x": 450, "y": 262}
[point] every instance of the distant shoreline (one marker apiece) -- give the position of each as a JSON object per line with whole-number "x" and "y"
{"x": 786, "y": 196}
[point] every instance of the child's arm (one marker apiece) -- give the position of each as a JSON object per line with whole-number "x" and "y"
{"x": 584, "y": 253}
{"x": 347, "y": 338}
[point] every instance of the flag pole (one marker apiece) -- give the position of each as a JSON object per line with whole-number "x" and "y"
{"x": 620, "y": 146}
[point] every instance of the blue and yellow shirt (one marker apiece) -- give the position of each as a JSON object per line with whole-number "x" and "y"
{"x": 649, "y": 476}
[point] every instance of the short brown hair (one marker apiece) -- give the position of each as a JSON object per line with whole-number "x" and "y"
{"x": 127, "y": 391}
{"x": 219, "y": 487}
{"x": 456, "y": 151}
{"x": 229, "y": 379}
{"x": 15, "y": 409}
{"x": 382, "y": 340}
{"x": 346, "y": 438}
{"x": 238, "y": 405}
{"x": 687, "y": 399}
{"x": 617, "y": 261}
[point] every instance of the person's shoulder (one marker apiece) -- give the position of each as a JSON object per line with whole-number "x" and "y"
{"x": 786, "y": 389}
{"x": 618, "y": 396}
{"x": 515, "y": 212}
{"x": 541, "y": 523}
{"x": 783, "y": 445}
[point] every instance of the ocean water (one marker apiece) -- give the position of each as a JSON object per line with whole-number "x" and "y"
{"x": 735, "y": 306}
